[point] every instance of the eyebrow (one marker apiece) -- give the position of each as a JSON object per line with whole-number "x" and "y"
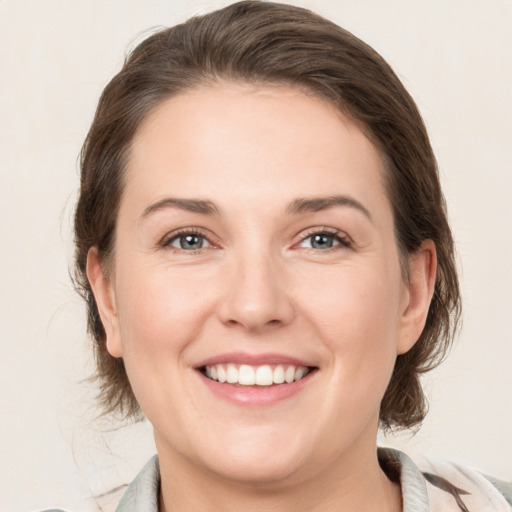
{"x": 190, "y": 205}
{"x": 296, "y": 207}
{"x": 316, "y": 204}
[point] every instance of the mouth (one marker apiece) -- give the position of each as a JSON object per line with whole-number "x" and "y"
{"x": 255, "y": 379}
{"x": 255, "y": 375}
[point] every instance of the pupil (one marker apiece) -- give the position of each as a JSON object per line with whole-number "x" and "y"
{"x": 322, "y": 241}
{"x": 191, "y": 242}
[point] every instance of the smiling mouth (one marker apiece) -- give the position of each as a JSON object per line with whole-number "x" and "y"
{"x": 263, "y": 375}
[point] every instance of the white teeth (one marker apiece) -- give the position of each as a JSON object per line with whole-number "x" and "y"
{"x": 231, "y": 374}
{"x": 221, "y": 373}
{"x": 289, "y": 375}
{"x": 279, "y": 375}
{"x": 299, "y": 373}
{"x": 247, "y": 375}
{"x": 264, "y": 376}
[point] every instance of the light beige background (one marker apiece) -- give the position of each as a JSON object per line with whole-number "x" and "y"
{"x": 55, "y": 58}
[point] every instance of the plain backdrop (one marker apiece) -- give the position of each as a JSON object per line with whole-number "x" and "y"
{"x": 55, "y": 58}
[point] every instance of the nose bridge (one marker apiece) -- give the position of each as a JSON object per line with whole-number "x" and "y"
{"x": 256, "y": 293}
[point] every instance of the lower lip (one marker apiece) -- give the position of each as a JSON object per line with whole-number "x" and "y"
{"x": 256, "y": 395}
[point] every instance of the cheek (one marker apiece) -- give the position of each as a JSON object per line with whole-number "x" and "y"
{"x": 159, "y": 311}
{"x": 357, "y": 316}
{"x": 354, "y": 301}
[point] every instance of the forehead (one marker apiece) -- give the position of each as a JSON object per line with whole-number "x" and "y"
{"x": 251, "y": 142}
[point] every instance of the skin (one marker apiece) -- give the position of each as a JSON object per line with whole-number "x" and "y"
{"x": 258, "y": 285}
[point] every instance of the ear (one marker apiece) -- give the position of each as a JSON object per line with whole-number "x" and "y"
{"x": 104, "y": 295}
{"x": 419, "y": 292}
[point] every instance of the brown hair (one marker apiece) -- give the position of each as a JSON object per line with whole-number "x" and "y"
{"x": 264, "y": 42}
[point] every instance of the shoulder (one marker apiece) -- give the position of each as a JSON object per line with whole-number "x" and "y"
{"x": 52, "y": 510}
{"x": 141, "y": 495}
{"x": 446, "y": 486}
{"x": 467, "y": 487}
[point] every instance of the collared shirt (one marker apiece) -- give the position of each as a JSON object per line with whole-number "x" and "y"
{"x": 439, "y": 487}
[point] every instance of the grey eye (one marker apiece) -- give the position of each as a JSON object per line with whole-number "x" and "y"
{"x": 189, "y": 242}
{"x": 320, "y": 241}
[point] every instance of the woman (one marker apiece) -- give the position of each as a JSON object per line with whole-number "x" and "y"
{"x": 263, "y": 246}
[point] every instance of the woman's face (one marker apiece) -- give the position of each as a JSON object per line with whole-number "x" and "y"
{"x": 255, "y": 243}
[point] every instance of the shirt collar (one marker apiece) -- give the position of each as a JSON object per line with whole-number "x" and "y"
{"x": 412, "y": 482}
{"x": 143, "y": 493}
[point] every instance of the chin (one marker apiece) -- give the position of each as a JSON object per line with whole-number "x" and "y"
{"x": 252, "y": 458}
{"x": 268, "y": 472}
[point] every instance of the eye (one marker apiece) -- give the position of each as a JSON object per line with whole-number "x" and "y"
{"x": 325, "y": 240}
{"x": 189, "y": 241}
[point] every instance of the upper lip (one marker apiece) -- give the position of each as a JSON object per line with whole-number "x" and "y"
{"x": 253, "y": 359}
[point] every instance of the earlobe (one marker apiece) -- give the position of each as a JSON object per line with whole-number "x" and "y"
{"x": 105, "y": 300}
{"x": 420, "y": 289}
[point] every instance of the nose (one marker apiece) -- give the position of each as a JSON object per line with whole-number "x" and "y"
{"x": 256, "y": 297}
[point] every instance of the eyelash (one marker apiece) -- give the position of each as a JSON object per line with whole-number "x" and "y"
{"x": 339, "y": 236}
{"x": 168, "y": 240}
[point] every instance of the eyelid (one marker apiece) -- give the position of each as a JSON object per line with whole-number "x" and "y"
{"x": 341, "y": 236}
{"x": 165, "y": 242}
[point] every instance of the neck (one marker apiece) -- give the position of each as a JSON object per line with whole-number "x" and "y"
{"x": 345, "y": 486}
